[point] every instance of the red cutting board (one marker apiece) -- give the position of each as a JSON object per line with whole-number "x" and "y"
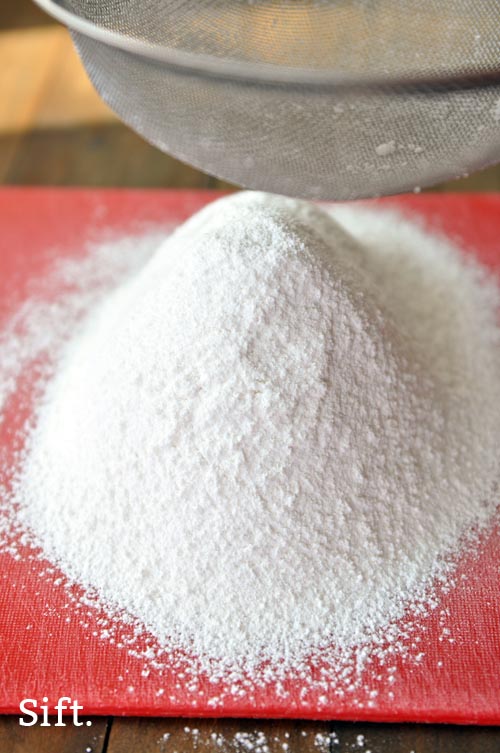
{"x": 49, "y": 650}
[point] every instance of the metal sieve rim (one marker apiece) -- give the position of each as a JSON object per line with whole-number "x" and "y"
{"x": 263, "y": 73}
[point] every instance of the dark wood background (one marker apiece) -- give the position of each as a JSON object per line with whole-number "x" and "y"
{"x": 54, "y": 130}
{"x": 117, "y": 735}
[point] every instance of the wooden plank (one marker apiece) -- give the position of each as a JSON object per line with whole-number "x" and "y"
{"x": 245, "y": 736}
{"x": 69, "y": 739}
{"x": 484, "y": 180}
{"x": 254, "y": 736}
{"x": 97, "y": 155}
{"x": 217, "y": 736}
{"x": 419, "y": 738}
{"x": 68, "y": 97}
{"x": 22, "y": 83}
{"x": 22, "y": 14}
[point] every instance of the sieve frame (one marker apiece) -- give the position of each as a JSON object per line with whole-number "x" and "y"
{"x": 262, "y": 73}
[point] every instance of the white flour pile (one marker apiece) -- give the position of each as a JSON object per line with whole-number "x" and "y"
{"x": 276, "y": 435}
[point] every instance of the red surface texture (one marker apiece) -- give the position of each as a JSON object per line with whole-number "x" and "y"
{"x": 48, "y": 648}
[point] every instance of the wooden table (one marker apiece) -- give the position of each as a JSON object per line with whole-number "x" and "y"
{"x": 117, "y": 735}
{"x": 54, "y": 130}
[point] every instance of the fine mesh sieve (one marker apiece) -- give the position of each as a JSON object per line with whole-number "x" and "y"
{"x": 326, "y": 99}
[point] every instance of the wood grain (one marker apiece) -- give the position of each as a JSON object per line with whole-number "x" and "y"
{"x": 22, "y": 14}
{"x": 420, "y": 738}
{"x": 145, "y": 735}
{"x": 217, "y": 736}
{"x": 16, "y": 739}
{"x": 254, "y": 736}
{"x": 96, "y": 155}
{"x": 484, "y": 180}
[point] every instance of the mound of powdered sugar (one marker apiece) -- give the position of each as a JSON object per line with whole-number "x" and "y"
{"x": 276, "y": 435}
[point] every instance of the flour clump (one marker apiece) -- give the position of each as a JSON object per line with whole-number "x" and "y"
{"x": 275, "y": 435}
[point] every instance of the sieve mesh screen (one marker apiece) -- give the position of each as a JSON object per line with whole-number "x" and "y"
{"x": 267, "y": 94}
